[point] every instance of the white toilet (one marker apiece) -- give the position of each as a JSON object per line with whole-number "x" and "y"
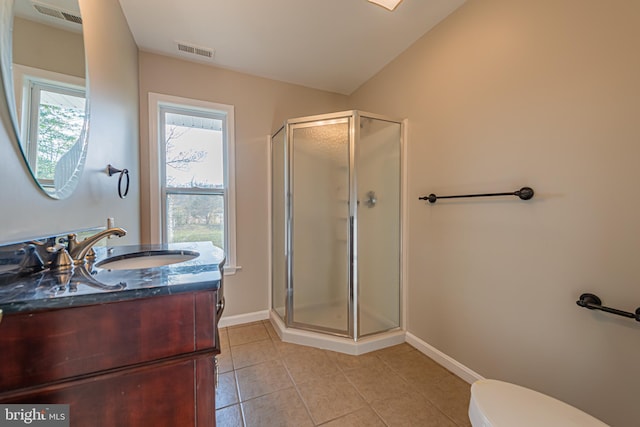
{"x": 499, "y": 404}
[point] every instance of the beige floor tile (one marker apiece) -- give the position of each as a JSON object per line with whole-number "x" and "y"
{"x": 330, "y": 397}
{"x": 393, "y": 350}
{"x": 364, "y": 417}
{"x": 246, "y": 334}
{"x": 229, "y": 417}
{"x": 244, "y": 325}
{"x": 253, "y": 353}
{"x": 347, "y": 362}
{"x": 416, "y": 368}
{"x": 225, "y": 362}
{"x": 224, "y": 339}
{"x": 261, "y": 379}
{"x": 309, "y": 363}
{"x": 282, "y": 408}
{"x": 410, "y": 411}
{"x": 283, "y": 384}
{"x": 376, "y": 383}
{"x": 271, "y": 330}
{"x": 226, "y": 393}
{"x": 451, "y": 395}
{"x": 287, "y": 349}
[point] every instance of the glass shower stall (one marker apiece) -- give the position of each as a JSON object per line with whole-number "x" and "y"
{"x": 336, "y": 223}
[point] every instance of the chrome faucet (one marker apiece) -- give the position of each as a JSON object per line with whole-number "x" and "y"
{"x": 79, "y": 250}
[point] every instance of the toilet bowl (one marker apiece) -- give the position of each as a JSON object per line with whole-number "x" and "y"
{"x": 500, "y": 404}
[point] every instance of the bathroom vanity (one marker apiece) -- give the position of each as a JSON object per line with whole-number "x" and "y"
{"x": 121, "y": 347}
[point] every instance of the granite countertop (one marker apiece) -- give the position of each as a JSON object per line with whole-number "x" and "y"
{"x": 91, "y": 284}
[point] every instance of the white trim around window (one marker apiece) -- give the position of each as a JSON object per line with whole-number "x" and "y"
{"x": 24, "y": 76}
{"x": 157, "y": 100}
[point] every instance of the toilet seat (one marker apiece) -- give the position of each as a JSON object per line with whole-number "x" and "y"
{"x": 500, "y": 404}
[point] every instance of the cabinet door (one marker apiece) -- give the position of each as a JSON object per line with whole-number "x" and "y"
{"x": 178, "y": 393}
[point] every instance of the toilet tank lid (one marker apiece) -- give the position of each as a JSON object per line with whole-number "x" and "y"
{"x": 501, "y": 404}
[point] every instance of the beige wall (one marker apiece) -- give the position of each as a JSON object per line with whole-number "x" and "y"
{"x": 48, "y": 48}
{"x": 261, "y": 106}
{"x": 508, "y": 93}
{"x": 25, "y": 212}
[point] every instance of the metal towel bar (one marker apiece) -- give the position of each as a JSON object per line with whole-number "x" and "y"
{"x": 525, "y": 193}
{"x": 592, "y": 302}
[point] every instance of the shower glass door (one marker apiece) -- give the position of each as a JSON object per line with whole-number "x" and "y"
{"x": 378, "y": 153}
{"x": 320, "y": 225}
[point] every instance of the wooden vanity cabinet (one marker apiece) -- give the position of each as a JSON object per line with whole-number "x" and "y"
{"x": 140, "y": 362}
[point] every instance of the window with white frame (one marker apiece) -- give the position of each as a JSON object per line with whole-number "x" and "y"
{"x": 55, "y": 123}
{"x": 51, "y": 109}
{"x": 195, "y": 176}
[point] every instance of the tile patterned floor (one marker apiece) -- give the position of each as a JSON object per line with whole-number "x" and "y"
{"x": 264, "y": 382}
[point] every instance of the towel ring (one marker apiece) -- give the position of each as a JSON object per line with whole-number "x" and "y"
{"x": 123, "y": 172}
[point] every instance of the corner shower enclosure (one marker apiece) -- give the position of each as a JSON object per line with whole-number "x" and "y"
{"x": 336, "y": 224}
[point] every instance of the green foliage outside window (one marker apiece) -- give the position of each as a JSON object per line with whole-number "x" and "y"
{"x": 58, "y": 129}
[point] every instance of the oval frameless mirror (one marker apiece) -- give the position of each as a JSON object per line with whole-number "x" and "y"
{"x": 44, "y": 78}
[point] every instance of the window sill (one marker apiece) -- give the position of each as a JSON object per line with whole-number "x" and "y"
{"x": 230, "y": 270}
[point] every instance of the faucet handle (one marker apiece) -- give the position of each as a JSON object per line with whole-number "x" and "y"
{"x": 31, "y": 262}
{"x": 62, "y": 260}
{"x": 72, "y": 241}
{"x": 91, "y": 255}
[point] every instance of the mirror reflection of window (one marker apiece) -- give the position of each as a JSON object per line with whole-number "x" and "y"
{"x": 53, "y": 125}
{"x": 48, "y": 99}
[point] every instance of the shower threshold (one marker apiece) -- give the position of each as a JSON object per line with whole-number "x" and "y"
{"x": 335, "y": 343}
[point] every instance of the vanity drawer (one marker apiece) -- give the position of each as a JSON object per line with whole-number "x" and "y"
{"x": 55, "y": 345}
{"x": 174, "y": 393}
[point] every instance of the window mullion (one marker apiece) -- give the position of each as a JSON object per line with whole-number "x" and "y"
{"x": 198, "y": 191}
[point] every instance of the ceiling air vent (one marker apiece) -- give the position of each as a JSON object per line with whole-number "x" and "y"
{"x": 57, "y": 13}
{"x": 195, "y": 50}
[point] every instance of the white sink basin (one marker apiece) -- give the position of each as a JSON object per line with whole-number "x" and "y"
{"x": 149, "y": 259}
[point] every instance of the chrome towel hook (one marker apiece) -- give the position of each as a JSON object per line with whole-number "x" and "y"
{"x": 123, "y": 172}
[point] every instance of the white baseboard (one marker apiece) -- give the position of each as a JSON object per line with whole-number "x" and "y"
{"x": 448, "y": 362}
{"x": 243, "y": 318}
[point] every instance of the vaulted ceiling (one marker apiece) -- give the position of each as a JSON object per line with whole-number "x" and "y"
{"x": 334, "y": 45}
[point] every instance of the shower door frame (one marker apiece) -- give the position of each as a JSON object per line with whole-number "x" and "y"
{"x": 353, "y": 119}
{"x": 290, "y": 126}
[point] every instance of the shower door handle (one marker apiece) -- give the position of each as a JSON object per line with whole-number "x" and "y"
{"x": 371, "y": 199}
